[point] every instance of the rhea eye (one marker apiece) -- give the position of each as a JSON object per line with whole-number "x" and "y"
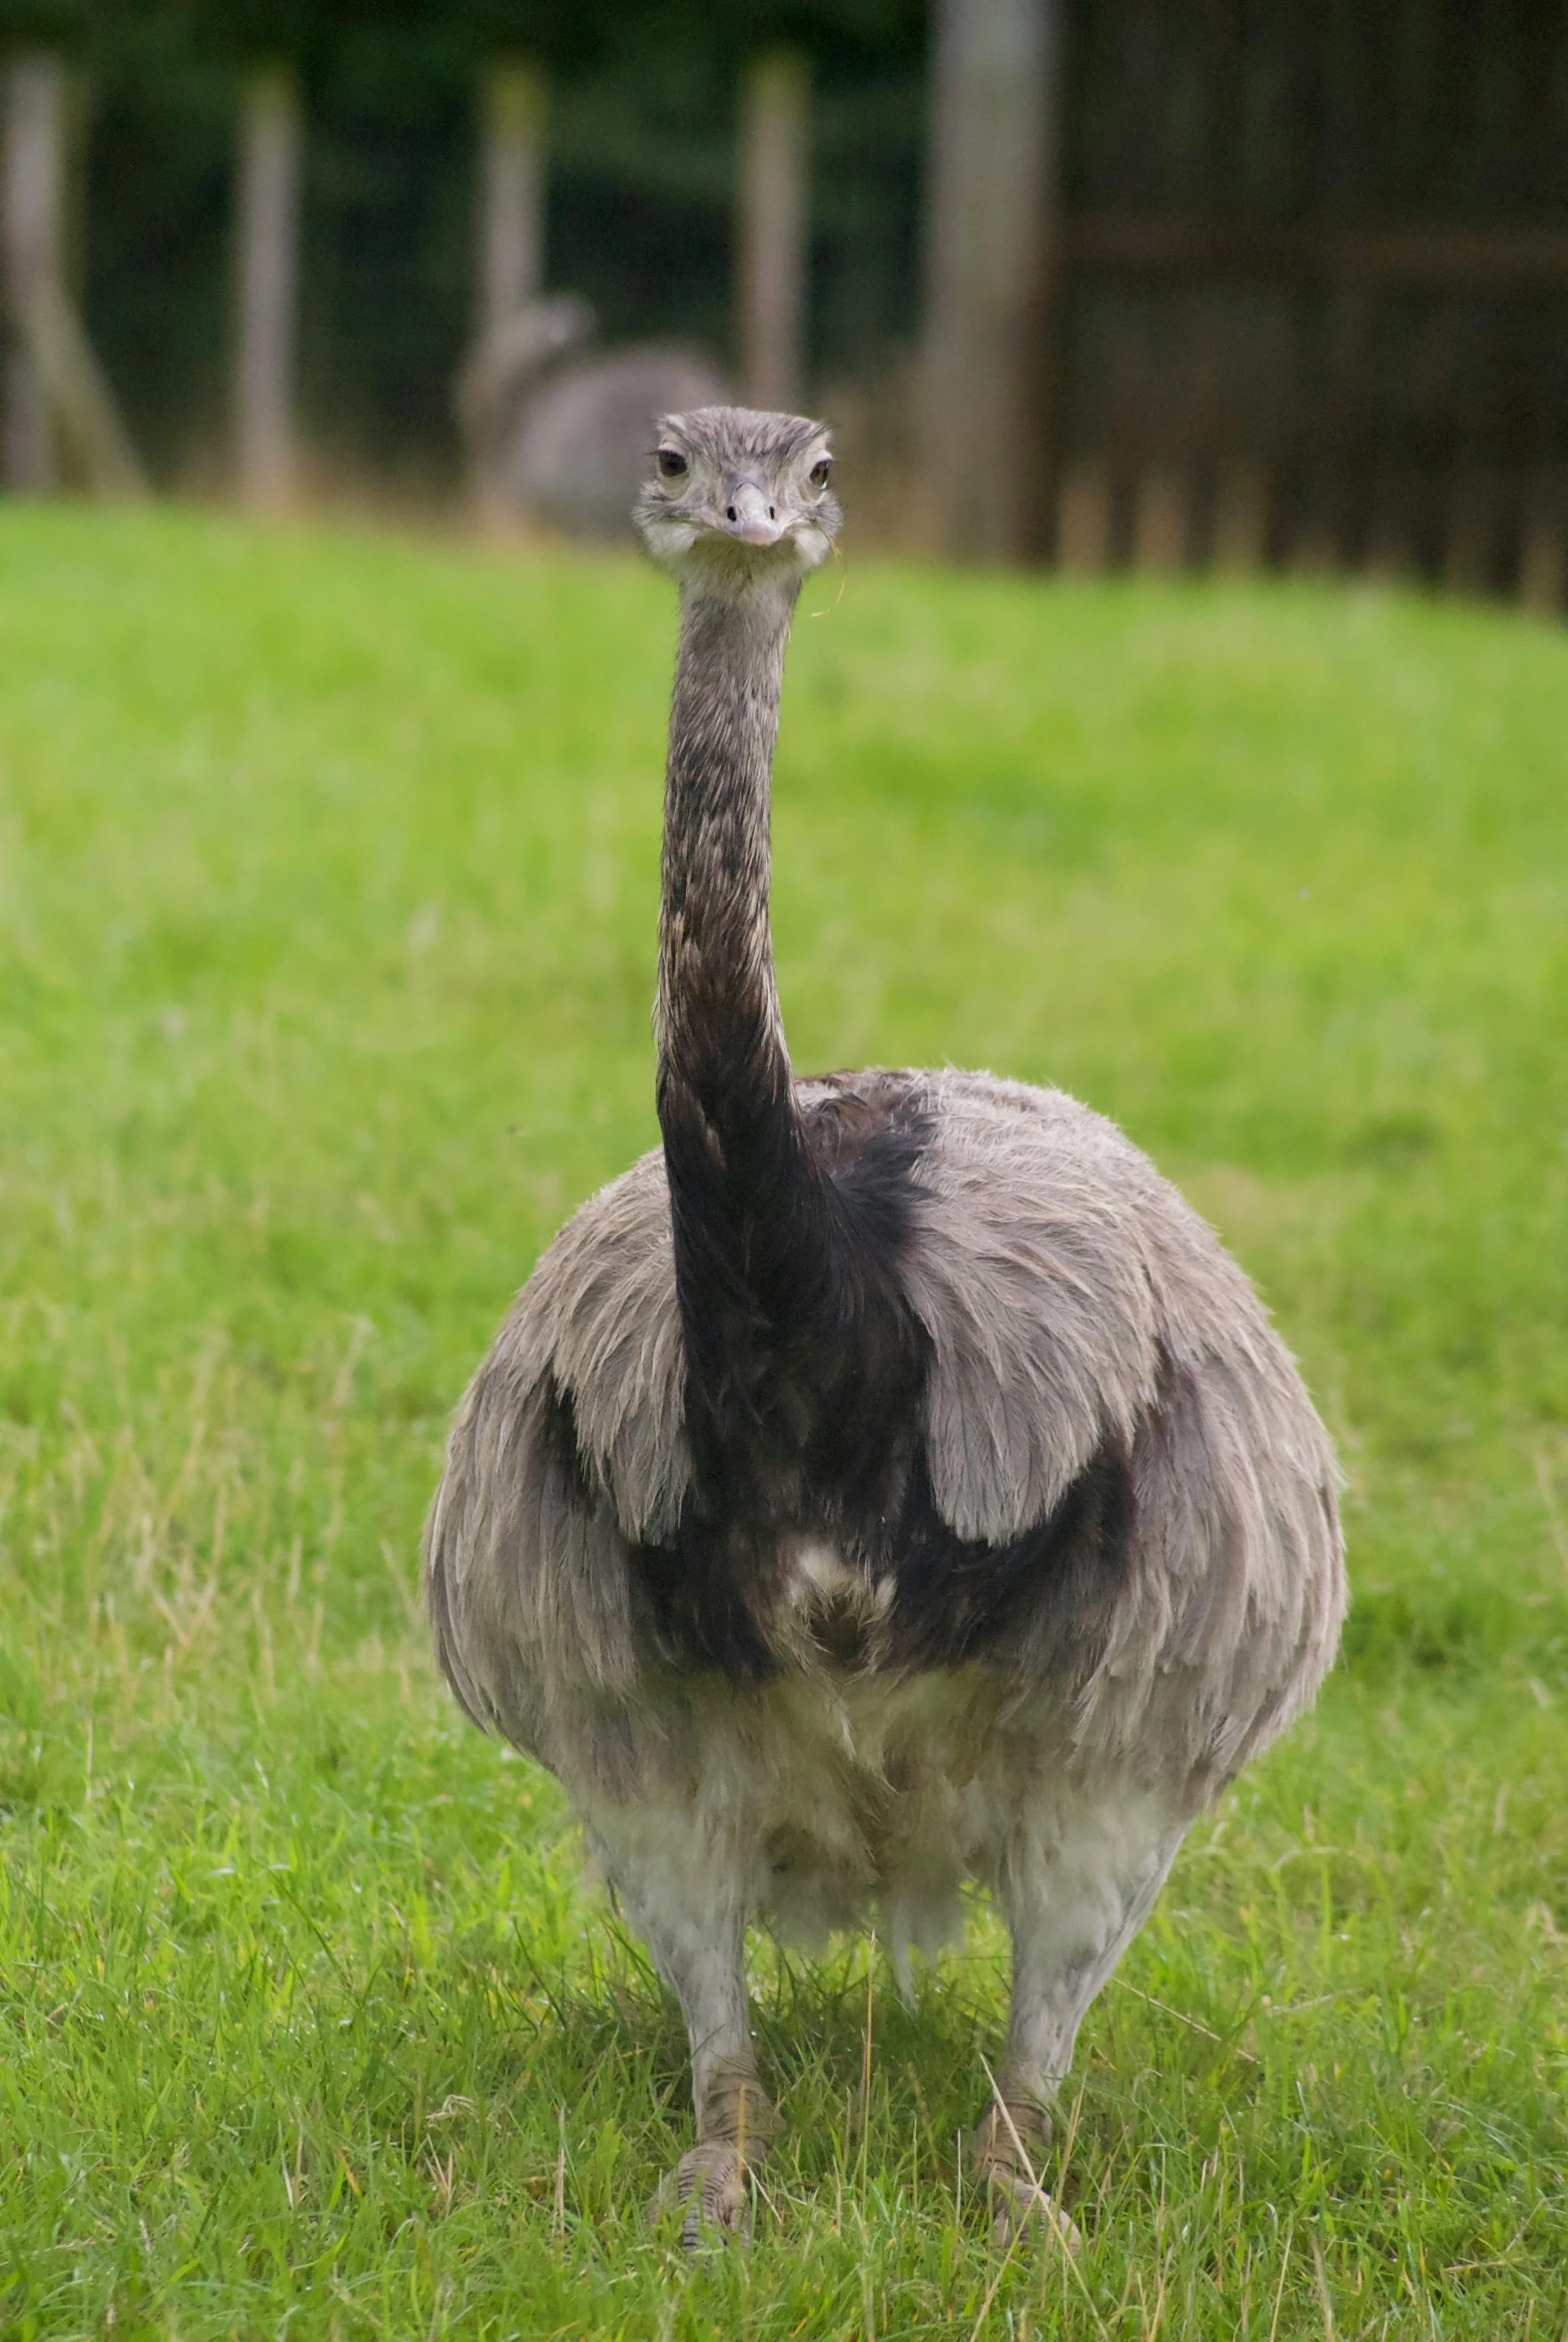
{"x": 818, "y": 474}
{"x": 672, "y": 464}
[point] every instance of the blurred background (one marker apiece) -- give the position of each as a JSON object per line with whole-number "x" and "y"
{"x": 1102, "y": 283}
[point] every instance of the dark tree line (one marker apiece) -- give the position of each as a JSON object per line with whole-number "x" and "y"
{"x": 641, "y": 179}
{"x": 393, "y": 41}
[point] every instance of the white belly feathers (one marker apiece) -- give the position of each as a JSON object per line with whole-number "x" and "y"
{"x": 836, "y": 1794}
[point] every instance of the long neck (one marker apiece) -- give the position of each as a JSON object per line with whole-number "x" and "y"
{"x": 722, "y": 1056}
{"x": 745, "y": 1199}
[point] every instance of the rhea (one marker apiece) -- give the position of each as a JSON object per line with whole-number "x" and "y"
{"x": 888, "y": 1482}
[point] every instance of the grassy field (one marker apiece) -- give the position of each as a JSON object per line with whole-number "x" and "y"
{"x": 328, "y": 878}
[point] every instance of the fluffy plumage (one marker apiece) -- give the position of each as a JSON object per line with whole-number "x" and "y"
{"x": 1088, "y": 1343}
{"x": 887, "y": 1483}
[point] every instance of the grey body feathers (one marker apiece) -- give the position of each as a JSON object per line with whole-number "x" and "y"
{"x": 1069, "y": 1297}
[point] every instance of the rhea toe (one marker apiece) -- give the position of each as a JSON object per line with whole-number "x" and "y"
{"x": 888, "y": 1482}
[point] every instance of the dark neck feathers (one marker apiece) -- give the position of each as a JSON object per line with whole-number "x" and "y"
{"x": 746, "y": 1199}
{"x": 722, "y": 1055}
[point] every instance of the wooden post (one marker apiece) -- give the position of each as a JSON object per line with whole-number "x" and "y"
{"x": 1082, "y": 530}
{"x": 76, "y": 395}
{"x": 31, "y": 236}
{"x": 1162, "y": 521}
{"x": 55, "y": 390}
{"x": 268, "y": 273}
{"x": 991, "y": 188}
{"x": 511, "y": 268}
{"x": 512, "y": 214}
{"x": 1240, "y": 537}
{"x": 1543, "y": 553}
{"x": 1477, "y": 508}
{"x": 771, "y": 245}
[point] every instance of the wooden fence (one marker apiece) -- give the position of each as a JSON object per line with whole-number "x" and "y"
{"x": 1110, "y": 283}
{"x": 1389, "y": 400}
{"x": 1298, "y": 296}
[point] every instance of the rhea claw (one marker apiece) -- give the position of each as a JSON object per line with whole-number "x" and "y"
{"x": 711, "y": 2185}
{"x": 1009, "y": 2146}
{"x": 1018, "y": 2207}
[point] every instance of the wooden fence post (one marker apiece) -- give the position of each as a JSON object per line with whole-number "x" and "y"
{"x": 55, "y": 390}
{"x": 991, "y": 185}
{"x": 1543, "y": 553}
{"x": 1162, "y": 519}
{"x": 511, "y": 255}
{"x": 33, "y": 191}
{"x": 771, "y": 244}
{"x": 511, "y": 215}
{"x": 1238, "y": 539}
{"x": 268, "y": 278}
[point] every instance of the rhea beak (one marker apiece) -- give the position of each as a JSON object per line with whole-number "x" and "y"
{"x": 749, "y": 518}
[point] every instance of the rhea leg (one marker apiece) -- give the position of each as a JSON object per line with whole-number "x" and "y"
{"x": 1073, "y": 1905}
{"x": 688, "y": 1911}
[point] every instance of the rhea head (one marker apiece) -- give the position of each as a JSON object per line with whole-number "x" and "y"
{"x": 738, "y": 501}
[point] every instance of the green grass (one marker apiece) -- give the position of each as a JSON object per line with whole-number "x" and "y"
{"x": 327, "y": 896}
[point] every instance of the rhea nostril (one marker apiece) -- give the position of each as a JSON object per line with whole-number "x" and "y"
{"x": 730, "y": 512}
{"x": 772, "y": 516}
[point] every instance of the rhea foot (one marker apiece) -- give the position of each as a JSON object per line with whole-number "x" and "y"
{"x": 1009, "y": 2147}
{"x": 712, "y": 2183}
{"x": 712, "y": 2187}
